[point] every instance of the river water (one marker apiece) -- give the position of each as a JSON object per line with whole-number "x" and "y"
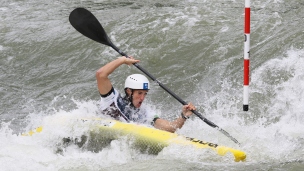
{"x": 193, "y": 47}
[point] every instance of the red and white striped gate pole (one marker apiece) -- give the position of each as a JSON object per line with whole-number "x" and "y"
{"x": 246, "y": 55}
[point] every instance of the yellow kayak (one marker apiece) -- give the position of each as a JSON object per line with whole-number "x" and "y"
{"x": 148, "y": 139}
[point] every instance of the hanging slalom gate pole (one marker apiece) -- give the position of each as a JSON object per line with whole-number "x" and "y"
{"x": 246, "y": 55}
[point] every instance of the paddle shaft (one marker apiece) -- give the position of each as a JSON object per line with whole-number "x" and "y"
{"x": 174, "y": 95}
{"x": 151, "y": 76}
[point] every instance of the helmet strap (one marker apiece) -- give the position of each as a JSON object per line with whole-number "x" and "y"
{"x": 130, "y": 97}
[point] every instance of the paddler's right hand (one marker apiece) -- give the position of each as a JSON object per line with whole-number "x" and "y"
{"x": 128, "y": 61}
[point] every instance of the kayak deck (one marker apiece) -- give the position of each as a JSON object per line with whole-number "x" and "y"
{"x": 146, "y": 139}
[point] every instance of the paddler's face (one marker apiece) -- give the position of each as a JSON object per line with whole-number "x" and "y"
{"x": 138, "y": 97}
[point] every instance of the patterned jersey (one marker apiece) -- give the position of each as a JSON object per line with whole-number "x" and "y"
{"x": 117, "y": 107}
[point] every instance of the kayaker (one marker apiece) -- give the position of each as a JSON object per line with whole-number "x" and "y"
{"x": 128, "y": 108}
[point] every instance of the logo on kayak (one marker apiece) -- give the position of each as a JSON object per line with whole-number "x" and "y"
{"x": 201, "y": 142}
{"x": 145, "y": 86}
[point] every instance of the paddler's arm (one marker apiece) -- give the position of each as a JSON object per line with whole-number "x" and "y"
{"x": 103, "y": 82}
{"x": 176, "y": 124}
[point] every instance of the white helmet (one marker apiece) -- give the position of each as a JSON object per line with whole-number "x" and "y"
{"x": 137, "y": 81}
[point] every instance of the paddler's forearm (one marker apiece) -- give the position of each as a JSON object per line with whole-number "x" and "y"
{"x": 103, "y": 82}
{"x": 169, "y": 126}
{"x": 107, "y": 69}
{"x": 178, "y": 123}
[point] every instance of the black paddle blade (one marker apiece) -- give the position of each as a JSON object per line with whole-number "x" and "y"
{"x": 87, "y": 24}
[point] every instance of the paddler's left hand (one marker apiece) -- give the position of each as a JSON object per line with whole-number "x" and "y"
{"x": 187, "y": 109}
